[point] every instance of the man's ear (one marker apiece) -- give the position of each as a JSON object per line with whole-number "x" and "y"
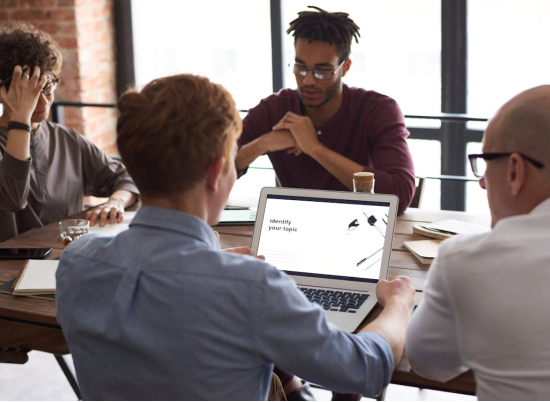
{"x": 516, "y": 173}
{"x": 346, "y": 67}
{"x": 214, "y": 174}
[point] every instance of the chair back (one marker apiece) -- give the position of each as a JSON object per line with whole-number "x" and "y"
{"x": 415, "y": 203}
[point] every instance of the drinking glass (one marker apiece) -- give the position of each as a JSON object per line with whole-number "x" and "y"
{"x": 72, "y": 229}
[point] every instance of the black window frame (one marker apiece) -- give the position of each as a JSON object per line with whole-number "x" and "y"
{"x": 453, "y": 133}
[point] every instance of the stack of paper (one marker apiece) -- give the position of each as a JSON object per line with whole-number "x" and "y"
{"x": 424, "y": 250}
{"x": 36, "y": 279}
{"x": 448, "y": 228}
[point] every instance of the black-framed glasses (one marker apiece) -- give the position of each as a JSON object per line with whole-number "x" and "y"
{"x": 51, "y": 86}
{"x": 478, "y": 162}
{"x": 318, "y": 73}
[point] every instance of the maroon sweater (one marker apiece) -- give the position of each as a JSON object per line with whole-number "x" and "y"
{"x": 369, "y": 129}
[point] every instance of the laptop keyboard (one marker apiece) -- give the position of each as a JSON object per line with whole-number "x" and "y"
{"x": 333, "y": 300}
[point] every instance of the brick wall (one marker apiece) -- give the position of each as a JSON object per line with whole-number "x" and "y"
{"x": 84, "y": 30}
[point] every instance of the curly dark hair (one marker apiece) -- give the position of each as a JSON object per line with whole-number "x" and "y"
{"x": 22, "y": 43}
{"x": 335, "y": 28}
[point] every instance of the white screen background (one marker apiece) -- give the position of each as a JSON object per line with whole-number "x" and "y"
{"x": 323, "y": 238}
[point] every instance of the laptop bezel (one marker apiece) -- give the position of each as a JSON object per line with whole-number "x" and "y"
{"x": 308, "y": 280}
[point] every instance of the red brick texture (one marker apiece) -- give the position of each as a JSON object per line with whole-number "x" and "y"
{"x": 84, "y": 29}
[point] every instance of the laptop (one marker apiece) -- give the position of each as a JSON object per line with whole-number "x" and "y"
{"x": 335, "y": 245}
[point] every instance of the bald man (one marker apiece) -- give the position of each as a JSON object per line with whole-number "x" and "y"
{"x": 486, "y": 300}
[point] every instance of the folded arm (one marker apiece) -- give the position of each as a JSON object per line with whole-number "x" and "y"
{"x": 270, "y": 142}
{"x": 391, "y": 160}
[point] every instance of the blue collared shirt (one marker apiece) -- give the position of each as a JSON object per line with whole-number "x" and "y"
{"x": 159, "y": 312}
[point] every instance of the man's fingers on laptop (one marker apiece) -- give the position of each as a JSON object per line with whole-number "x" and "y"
{"x": 400, "y": 277}
{"x": 396, "y": 288}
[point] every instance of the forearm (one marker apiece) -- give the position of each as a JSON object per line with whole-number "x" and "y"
{"x": 250, "y": 152}
{"x": 14, "y": 183}
{"x": 125, "y": 197}
{"x": 19, "y": 141}
{"x": 392, "y": 325}
{"x": 18, "y": 144}
{"x": 338, "y": 165}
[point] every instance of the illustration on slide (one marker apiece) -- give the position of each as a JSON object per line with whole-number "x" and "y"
{"x": 367, "y": 238}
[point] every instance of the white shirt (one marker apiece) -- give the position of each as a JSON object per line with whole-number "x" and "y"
{"x": 486, "y": 307}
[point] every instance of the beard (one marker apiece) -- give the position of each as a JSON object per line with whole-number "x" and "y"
{"x": 329, "y": 94}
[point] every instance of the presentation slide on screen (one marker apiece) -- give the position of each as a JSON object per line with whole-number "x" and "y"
{"x": 326, "y": 238}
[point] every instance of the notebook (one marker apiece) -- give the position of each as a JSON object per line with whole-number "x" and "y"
{"x": 36, "y": 277}
{"x": 424, "y": 250}
{"x": 449, "y": 228}
{"x": 7, "y": 288}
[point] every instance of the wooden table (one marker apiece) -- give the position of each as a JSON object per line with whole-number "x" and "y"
{"x": 26, "y": 311}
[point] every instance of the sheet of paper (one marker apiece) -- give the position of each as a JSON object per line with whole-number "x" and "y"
{"x": 39, "y": 275}
{"x": 457, "y": 227}
{"x": 243, "y": 201}
{"x": 113, "y": 230}
{"x": 424, "y": 248}
{"x": 238, "y": 215}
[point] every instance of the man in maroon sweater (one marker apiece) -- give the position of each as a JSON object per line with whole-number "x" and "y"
{"x": 320, "y": 134}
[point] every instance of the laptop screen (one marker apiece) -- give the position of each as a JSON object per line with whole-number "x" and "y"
{"x": 325, "y": 237}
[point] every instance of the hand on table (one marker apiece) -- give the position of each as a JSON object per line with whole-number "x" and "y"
{"x": 110, "y": 212}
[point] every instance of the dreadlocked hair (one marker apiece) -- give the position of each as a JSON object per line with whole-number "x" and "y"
{"x": 335, "y": 28}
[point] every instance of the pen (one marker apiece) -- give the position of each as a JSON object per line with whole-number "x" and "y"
{"x": 7, "y": 80}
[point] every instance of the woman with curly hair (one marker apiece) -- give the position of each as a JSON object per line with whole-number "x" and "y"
{"x": 45, "y": 168}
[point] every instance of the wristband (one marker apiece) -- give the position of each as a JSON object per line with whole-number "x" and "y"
{"x": 15, "y": 125}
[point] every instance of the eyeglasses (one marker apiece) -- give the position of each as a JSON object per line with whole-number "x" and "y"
{"x": 49, "y": 88}
{"x": 318, "y": 73}
{"x": 479, "y": 161}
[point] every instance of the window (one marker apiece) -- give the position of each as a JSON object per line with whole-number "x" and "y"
{"x": 398, "y": 53}
{"x": 508, "y": 42}
{"x": 227, "y": 41}
{"x": 426, "y": 157}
